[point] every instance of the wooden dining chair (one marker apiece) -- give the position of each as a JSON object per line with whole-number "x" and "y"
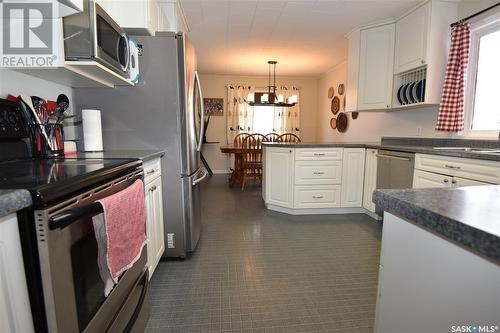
{"x": 252, "y": 158}
{"x": 272, "y": 137}
{"x": 238, "y": 139}
{"x": 289, "y": 138}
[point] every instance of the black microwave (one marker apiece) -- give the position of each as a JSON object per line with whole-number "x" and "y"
{"x": 94, "y": 35}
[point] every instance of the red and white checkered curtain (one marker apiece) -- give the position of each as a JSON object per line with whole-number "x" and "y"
{"x": 451, "y": 109}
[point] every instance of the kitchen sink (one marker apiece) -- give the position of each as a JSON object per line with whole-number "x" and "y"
{"x": 470, "y": 149}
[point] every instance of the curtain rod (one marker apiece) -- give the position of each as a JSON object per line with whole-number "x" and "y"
{"x": 473, "y": 15}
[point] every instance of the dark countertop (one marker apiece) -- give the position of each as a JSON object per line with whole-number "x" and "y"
{"x": 469, "y": 216}
{"x": 13, "y": 200}
{"x": 411, "y": 145}
{"x": 144, "y": 155}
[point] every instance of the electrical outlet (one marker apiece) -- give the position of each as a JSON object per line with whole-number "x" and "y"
{"x": 419, "y": 131}
{"x": 170, "y": 241}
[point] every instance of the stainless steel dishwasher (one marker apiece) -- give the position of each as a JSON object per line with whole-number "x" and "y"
{"x": 394, "y": 170}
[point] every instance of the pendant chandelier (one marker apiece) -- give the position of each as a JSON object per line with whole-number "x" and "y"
{"x": 270, "y": 98}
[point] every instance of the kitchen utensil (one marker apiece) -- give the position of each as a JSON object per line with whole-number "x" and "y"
{"x": 331, "y": 92}
{"x": 26, "y": 99}
{"x": 354, "y": 115}
{"x": 341, "y": 89}
{"x": 333, "y": 123}
{"x": 40, "y": 107}
{"x": 335, "y": 105}
{"x": 62, "y": 102}
{"x": 342, "y": 122}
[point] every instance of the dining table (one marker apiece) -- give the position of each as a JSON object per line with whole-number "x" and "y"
{"x": 238, "y": 165}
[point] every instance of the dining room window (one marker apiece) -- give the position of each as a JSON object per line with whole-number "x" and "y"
{"x": 482, "y": 113}
{"x": 263, "y": 119}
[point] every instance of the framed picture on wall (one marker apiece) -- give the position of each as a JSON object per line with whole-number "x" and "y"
{"x": 214, "y": 106}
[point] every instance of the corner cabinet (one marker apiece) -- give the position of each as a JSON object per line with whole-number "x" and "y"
{"x": 320, "y": 180}
{"x": 154, "y": 207}
{"x": 376, "y": 62}
{"x": 279, "y": 176}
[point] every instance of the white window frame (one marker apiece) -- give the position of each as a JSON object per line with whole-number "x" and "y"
{"x": 478, "y": 29}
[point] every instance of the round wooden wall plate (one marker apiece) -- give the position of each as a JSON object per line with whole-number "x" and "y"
{"x": 340, "y": 89}
{"x": 331, "y": 92}
{"x": 342, "y": 122}
{"x": 335, "y": 105}
{"x": 333, "y": 123}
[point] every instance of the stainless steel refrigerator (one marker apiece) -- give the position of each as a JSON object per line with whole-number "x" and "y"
{"x": 163, "y": 111}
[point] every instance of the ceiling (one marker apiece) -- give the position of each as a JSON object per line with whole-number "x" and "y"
{"x": 306, "y": 37}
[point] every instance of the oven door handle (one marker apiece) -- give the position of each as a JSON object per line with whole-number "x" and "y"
{"x": 66, "y": 218}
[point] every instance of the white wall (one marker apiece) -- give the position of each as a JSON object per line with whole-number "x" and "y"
{"x": 370, "y": 126}
{"x": 12, "y": 82}
{"x": 214, "y": 86}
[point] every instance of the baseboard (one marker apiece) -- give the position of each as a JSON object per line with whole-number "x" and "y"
{"x": 323, "y": 211}
{"x": 221, "y": 172}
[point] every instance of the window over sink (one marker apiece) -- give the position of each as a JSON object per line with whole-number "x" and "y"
{"x": 482, "y": 110}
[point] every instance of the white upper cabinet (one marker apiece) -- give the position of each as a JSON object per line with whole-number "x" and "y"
{"x": 351, "y": 91}
{"x": 411, "y": 39}
{"x": 137, "y": 17}
{"x": 376, "y": 63}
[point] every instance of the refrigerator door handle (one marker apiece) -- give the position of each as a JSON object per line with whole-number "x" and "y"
{"x": 202, "y": 112}
{"x": 200, "y": 179}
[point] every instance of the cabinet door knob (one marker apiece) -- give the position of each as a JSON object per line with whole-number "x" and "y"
{"x": 445, "y": 180}
{"x": 422, "y": 61}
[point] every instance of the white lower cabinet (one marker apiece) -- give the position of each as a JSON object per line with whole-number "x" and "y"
{"x": 424, "y": 179}
{"x": 443, "y": 171}
{"x": 15, "y": 311}
{"x": 353, "y": 170}
{"x": 317, "y": 196}
{"x": 154, "y": 207}
{"x": 370, "y": 179}
{"x": 314, "y": 180}
{"x": 279, "y": 176}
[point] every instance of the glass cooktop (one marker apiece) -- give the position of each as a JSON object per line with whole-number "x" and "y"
{"x": 50, "y": 179}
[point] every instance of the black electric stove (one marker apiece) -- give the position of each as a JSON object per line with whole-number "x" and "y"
{"x": 51, "y": 180}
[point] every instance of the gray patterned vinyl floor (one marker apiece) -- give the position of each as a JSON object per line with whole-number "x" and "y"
{"x": 259, "y": 271}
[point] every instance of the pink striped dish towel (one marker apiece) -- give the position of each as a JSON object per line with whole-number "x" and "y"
{"x": 120, "y": 232}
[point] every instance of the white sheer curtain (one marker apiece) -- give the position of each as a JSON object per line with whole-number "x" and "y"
{"x": 239, "y": 113}
{"x": 287, "y": 120}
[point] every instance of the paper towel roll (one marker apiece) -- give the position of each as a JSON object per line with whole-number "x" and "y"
{"x": 92, "y": 130}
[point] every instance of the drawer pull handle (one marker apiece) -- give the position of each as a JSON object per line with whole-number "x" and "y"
{"x": 152, "y": 188}
{"x": 317, "y": 197}
{"x": 319, "y": 154}
{"x": 318, "y": 173}
{"x": 150, "y": 172}
{"x": 452, "y": 167}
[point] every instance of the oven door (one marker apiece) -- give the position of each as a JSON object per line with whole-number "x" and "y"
{"x": 72, "y": 287}
{"x": 112, "y": 45}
